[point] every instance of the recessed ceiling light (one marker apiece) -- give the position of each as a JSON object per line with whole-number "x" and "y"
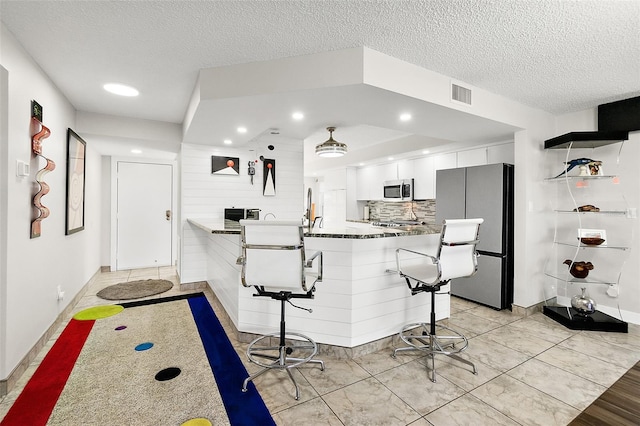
{"x": 405, "y": 116}
{"x": 242, "y": 130}
{"x": 227, "y": 142}
{"x": 297, "y": 116}
{"x": 361, "y": 164}
{"x": 426, "y": 151}
{"x": 121, "y": 89}
{"x": 136, "y": 151}
{"x": 390, "y": 158}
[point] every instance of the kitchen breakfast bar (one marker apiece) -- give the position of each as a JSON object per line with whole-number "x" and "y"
{"x": 357, "y": 303}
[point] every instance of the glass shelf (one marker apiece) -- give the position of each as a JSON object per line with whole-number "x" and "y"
{"x": 610, "y": 212}
{"x": 587, "y": 177}
{"x": 574, "y": 280}
{"x": 584, "y": 246}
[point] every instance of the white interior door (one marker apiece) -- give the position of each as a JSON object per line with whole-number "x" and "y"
{"x": 144, "y": 215}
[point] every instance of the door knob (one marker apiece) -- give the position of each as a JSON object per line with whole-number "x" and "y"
{"x": 168, "y": 214}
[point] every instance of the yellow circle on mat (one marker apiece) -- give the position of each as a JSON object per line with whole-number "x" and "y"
{"x": 197, "y": 422}
{"x": 98, "y": 312}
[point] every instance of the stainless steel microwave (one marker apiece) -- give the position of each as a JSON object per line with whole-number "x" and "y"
{"x": 238, "y": 214}
{"x": 398, "y": 190}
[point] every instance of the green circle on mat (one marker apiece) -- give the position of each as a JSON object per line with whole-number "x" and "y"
{"x": 98, "y": 312}
{"x": 197, "y": 422}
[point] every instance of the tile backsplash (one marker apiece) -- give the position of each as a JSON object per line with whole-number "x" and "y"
{"x": 411, "y": 210}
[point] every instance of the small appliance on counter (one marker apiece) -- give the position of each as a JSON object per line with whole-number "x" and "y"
{"x": 237, "y": 215}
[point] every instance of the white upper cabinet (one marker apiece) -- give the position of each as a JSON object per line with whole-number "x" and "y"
{"x": 501, "y": 154}
{"x": 424, "y": 178}
{"x": 472, "y": 157}
{"x": 406, "y": 169}
{"x": 382, "y": 173}
{"x": 369, "y": 180}
{"x": 445, "y": 161}
{"x": 364, "y": 176}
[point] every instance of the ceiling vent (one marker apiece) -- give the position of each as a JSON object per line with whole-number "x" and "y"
{"x": 460, "y": 94}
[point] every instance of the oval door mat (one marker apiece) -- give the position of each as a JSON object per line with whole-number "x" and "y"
{"x": 135, "y": 289}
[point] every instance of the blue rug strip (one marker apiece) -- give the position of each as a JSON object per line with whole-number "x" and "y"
{"x": 243, "y": 408}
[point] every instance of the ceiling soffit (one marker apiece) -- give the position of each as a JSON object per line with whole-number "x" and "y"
{"x": 341, "y": 88}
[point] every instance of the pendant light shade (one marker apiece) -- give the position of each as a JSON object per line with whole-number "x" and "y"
{"x": 331, "y": 147}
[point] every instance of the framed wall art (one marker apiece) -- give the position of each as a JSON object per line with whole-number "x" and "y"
{"x": 225, "y": 165}
{"x": 76, "y": 162}
{"x": 269, "y": 177}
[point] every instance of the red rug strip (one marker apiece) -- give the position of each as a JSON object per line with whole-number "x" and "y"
{"x": 35, "y": 404}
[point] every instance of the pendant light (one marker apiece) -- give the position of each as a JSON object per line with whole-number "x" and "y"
{"x": 331, "y": 147}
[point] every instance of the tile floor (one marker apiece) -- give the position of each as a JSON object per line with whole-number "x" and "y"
{"x": 531, "y": 371}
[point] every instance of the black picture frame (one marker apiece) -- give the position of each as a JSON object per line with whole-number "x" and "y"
{"x": 221, "y": 165}
{"x": 76, "y": 164}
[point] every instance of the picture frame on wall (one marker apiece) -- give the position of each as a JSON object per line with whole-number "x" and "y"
{"x": 76, "y": 163}
{"x": 221, "y": 165}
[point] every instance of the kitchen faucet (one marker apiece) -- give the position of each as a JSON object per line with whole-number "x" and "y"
{"x": 308, "y": 212}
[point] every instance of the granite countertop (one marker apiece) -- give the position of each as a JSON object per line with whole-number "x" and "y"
{"x": 219, "y": 226}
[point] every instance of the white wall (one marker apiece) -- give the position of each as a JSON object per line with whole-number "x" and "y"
{"x": 4, "y": 176}
{"x": 35, "y": 267}
{"x": 205, "y": 196}
{"x": 105, "y": 200}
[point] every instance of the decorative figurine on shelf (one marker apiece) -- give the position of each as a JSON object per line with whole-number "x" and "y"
{"x": 581, "y": 162}
{"x": 587, "y": 208}
{"x": 579, "y": 269}
{"x": 595, "y": 168}
{"x": 583, "y": 303}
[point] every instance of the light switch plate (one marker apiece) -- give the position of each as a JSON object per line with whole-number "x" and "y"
{"x": 22, "y": 168}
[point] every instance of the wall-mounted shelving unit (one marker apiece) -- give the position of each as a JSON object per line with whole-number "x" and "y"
{"x": 606, "y": 214}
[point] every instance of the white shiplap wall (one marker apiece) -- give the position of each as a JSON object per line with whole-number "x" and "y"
{"x": 205, "y": 196}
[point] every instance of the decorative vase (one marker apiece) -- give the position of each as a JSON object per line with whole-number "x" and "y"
{"x": 583, "y": 303}
{"x": 579, "y": 269}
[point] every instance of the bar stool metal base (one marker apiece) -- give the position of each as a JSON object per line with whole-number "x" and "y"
{"x": 433, "y": 340}
{"x": 269, "y": 356}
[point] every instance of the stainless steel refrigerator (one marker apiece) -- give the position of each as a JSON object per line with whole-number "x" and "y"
{"x": 486, "y": 192}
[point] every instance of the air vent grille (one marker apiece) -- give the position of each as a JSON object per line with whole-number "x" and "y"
{"x": 460, "y": 94}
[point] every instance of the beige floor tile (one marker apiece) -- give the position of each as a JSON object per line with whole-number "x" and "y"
{"x": 468, "y": 410}
{"x": 470, "y": 325}
{"x": 380, "y": 361}
{"x": 518, "y": 339}
{"x": 412, "y": 383}
{"x": 583, "y": 365}
{"x": 504, "y": 316}
{"x": 523, "y": 403}
{"x": 628, "y": 340}
{"x": 544, "y": 327}
{"x": 594, "y": 346}
{"x": 420, "y": 422}
{"x": 146, "y": 273}
{"x": 278, "y": 391}
{"x": 336, "y": 374}
{"x": 461, "y": 374}
{"x": 369, "y": 402}
{"x": 494, "y": 354}
{"x": 560, "y": 384}
{"x": 313, "y": 412}
{"x": 459, "y": 304}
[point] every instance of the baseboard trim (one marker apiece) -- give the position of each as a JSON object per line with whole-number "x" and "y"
{"x": 530, "y": 310}
{"x": 9, "y": 383}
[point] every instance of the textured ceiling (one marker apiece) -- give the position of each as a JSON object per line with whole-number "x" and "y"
{"x": 559, "y": 56}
